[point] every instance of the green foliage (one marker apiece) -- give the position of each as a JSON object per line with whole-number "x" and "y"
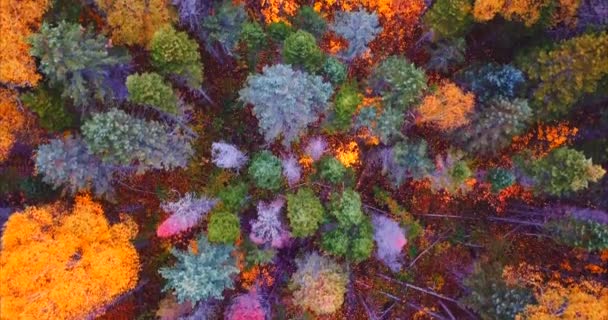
{"x": 334, "y": 70}
{"x": 330, "y": 169}
{"x": 347, "y": 208}
{"x": 345, "y": 104}
{"x": 491, "y": 298}
{"x": 252, "y": 34}
{"x": 301, "y": 49}
{"x": 493, "y": 127}
{"x": 223, "y": 28}
{"x": 563, "y": 170}
{"x": 566, "y": 72}
{"x": 118, "y": 138}
{"x": 75, "y": 59}
{"x": 233, "y": 197}
{"x": 405, "y": 160}
{"x": 279, "y": 31}
{"x": 51, "y": 111}
{"x": 590, "y": 235}
{"x": 265, "y": 170}
{"x": 223, "y": 227}
{"x": 305, "y": 212}
{"x": 319, "y": 284}
{"x": 201, "y": 274}
{"x": 355, "y": 242}
{"x": 399, "y": 82}
{"x": 256, "y": 256}
{"x": 150, "y": 89}
{"x": 500, "y": 178}
{"x": 173, "y": 52}
{"x": 389, "y": 125}
{"x": 449, "y": 18}
{"x": 309, "y": 20}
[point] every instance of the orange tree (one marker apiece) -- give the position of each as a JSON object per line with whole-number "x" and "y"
{"x": 448, "y": 107}
{"x": 11, "y": 121}
{"x": 18, "y": 19}
{"x": 64, "y": 264}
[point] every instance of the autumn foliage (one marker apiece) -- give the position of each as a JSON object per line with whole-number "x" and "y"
{"x": 11, "y": 121}
{"x": 60, "y": 263}
{"x": 18, "y": 20}
{"x": 447, "y": 108}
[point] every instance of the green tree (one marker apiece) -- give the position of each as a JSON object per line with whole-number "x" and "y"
{"x": 50, "y": 108}
{"x": 399, "y": 82}
{"x": 224, "y": 227}
{"x": 309, "y": 20}
{"x": 173, "y": 52}
{"x": 346, "y": 102}
{"x": 449, "y": 18}
{"x": 330, "y": 169}
{"x": 301, "y": 49}
{"x": 305, "y": 212}
{"x": 151, "y": 90}
{"x": 266, "y": 170}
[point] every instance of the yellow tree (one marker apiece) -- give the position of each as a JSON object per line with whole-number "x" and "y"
{"x": 526, "y": 11}
{"x": 448, "y": 107}
{"x": 11, "y": 121}
{"x": 19, "y": 19}
{"x": 134, "y": 22}
{"x": 58, "y": 263}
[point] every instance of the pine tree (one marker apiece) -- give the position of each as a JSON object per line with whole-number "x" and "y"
{"x": 359, "y": 28}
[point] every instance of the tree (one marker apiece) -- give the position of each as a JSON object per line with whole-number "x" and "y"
{"x": 346, "y": 102}
{"x": 500, "y": 178}
{"x": 76, "y": 60}
{"x": 347, "y": 208}
{"x": 144, "y": 144}
{"x": 399, "y": 82}
{"x": 334, "y": 70}
{"x": 186, "y": 212}
{"x": 404, "y": 160}
{"x": 292, "y": 171}
{"x": 151, "y": 90}
{"x": 320, "y": 284}
{"x": 390, "y": 239}
{"x": 18, "y": 20}
{"x": 69, "y": 163}
{"x": 451, "y": 173}
{"x": 301, "y": 49}
{"x": 192, "y": 13}
{"x": 174, "y": 53}
{"x": 310, "y": 20}
{"x": 223, "y": 28}
{"x": 305, "y": 212}
{"x": 50, "y": 108}
{"x": 11, "y": 121}
{"x": 268, "y": 228}
{"x": 265, "y": 170}
{"x": 449, "y": 19}
{"x": 353, "y": 242}
{"x": 577, "y": 232}
{"x": 134, "y": 22}
{"x": 60, "y": 263}
{"x": 246, "y": 307}
{"x": 526, "y": 11}
{"x": 252, "y": 34}
{"x": 202, "y": 272}
{"x": 447, "y": 108}
{"x": 566, "y": 72}
{"x": 493, "y": 127}
{"x": 285, "y": 101}
{"x": 227, "y": 156}
{"x": 316, "y": 147}
{"x": 330, "y": 169}
{"x": 359, "y": 28}
{"x": 446, "y": 54}
{"x": 563, "y": 170}
{"x": 490, "y": 81}
{"x": 223, "y": 227}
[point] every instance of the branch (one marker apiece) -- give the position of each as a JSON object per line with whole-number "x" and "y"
{"x": 425, "y": 251}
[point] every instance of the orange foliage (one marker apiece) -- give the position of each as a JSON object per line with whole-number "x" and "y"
{"x": 526, "y": 11}
{"x": 448, "y": 107}
{"x": 278, "y": 10}
{"x": 18, "y": 20}
{"x": 544, "y": 138}
{"x": 11, "y": 121}
{"x": 61, "y": 265}
{"x": 257, "y": 276}
{"x": 347, "y": 153}
{"x": 133, "y": 22}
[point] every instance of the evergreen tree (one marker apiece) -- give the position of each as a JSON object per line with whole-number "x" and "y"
{"x": 301, "y": 49}
{"x": 359, "y": 28}
{"x": 399, "y": 82}
{"x": 174, "y": 53}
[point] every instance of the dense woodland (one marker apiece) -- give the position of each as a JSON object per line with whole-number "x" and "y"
{"x": 304, "y": 159}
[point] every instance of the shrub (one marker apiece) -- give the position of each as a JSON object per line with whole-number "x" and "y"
{"x": 70, "y": 259}
{"x": 201, "y": 274}
{"x": 74, "y": 60}
{"x": 301, "y": 49}
{"x": 399, "y": 82}
{"x": 268, "y": 228}
{"x": 331, "y": 170}
{"x": 309, "y": 20}
{"x": 359, "y": 28}
{"x": 320, "y": 284}
{"x": 173, "y": 52}
{"x": 185, "y": 214}
{"x": 149, "y": 143}
{"x": 70, "y": 164}
{"x": 223, "y": 227}
{"x": 390, "y": 239}
{"x": 305, "y": 212}
{"x": 302, "y": 99}
{"x": 227, "y": 156}
{"x": 449, "y": 18}
{"x": 150, "y": 89}
{"x": 265, "y": 170}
